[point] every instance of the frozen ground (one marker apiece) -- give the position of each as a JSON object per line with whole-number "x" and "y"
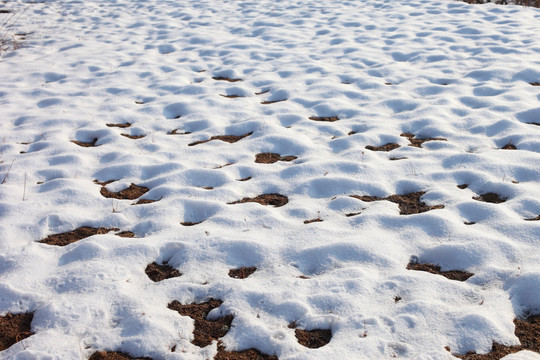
{"x": 433, "y": 69}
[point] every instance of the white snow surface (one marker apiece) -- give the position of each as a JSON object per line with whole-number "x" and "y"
{"x": 441, "y": 69}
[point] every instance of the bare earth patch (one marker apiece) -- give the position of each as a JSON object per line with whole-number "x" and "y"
{"x": 130, "y": 193}
{"x": 418, "y": 142}
{"x": 408, "y": 204}
{"x": 158, "y": 273}
{"x": 386, "y": 147}
{"x": 104, "y": 355}
{"x": 226, "y": 138}
{"x": 313, "y": 220}
{"x": 69, "y": 237}
{"x": 205, "y": 331}
{"x": 435, "y": 269}
{"x": 134, "y": 137}
{"x": 14, "y": 328}
{"x": 490, "y": 198}
{"x": 268, "y": 102}
{"x": 120, "y": 125}
{"x": 250, "y": 354}
{"x": 324, "y": 118}
{"x": 223, "y": 78}
{"x": 276, "y": 200}
{"x": 242, "y": 273}
{"x": 86, "y": 144}
{"x": 312, "y": 338}
{"x": 270, "y": 158}
{"x": 534, "y": 219}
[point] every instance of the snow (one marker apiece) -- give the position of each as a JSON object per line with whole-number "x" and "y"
{"x": 441, "y": 69}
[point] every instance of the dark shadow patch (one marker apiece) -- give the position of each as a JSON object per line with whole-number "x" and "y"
{"x": 490, "y": 198}
{"x": 270, "y": 158}
{"x": 226, "y": 138}
{"x": 86, "y": 144}
{"x": 534, "y": 83}
{"x": 133, "y": 137}
{"x": 131, "y": 193}
{"x": 190, "y": 223}
{"x": 397, "y": 158}
{"x": 249, "y": 354}
{"x": 242, "y": 273}
{"x": 223, "y": 78}
{"x": 463, "y": 186}
{"x": 469, "y": 222}
{"x": 385, "y": 147}
{"x": 312, "y": 339}
{"x": 69, "y": 237}
{"x": 534, "y": 219}
{"x": 14, "y": 328}
{"x": 157, "y": 272}
{"x": 418, "y": 142}
{"x": 175, "y": 132}
{"x": 352, "y": 214}
{"x": 276, "y": 200}
{"x": 268, "y": 102}
{"x": 408, "y": 204}
{"x": 324, "y": 118}
{"x": 120, "y": 125}
{"x": 5, "y": 11}
{"x": 352, "y": 132}
{"x": 435, "y": 269}
{"x": 528, "y": 333}
{"x": 104, "y": 355}
{"x": 313, "y": 220}
{"x": 205, "y": 331}
{"x": 245, "y": 179}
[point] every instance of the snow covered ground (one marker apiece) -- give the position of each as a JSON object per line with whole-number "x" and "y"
{"x": 367, "y": 73}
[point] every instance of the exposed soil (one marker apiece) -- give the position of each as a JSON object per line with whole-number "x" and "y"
{"x": 190, "y": 223}
{"x": 418, "y": 142}
{"x": 463, "y": 186}
{"x": 534, "y": 219}
{"x": 408, "y": 204}
{"x": 231, "y": 96}
{"x": 313, "y": 338}
{"x": 386, "y": 147}
{"x": 126, "y": 234}
{"x": 223, "y": 78}
{"x": 250, "y": 354}
{"x": 161, "y": 272}
{"x": 5, "y": 11}
{"x": 398, "y": 158}
{"x": 242, "y": 273}
{"x": 103, "y": 183}
{"x": 324, "y": 118}
{"x": 131, "y": 193}
{"x": 205, "y": 331}
{"x": 144, "y": 201}
{"x": 262, "y": 92}
{"x": 245, "y": 179}
{"x": 14, "y": 328}
{"x": 352, "y": 132}
{"x": 535, "y": 84}
{"x": 270, "y": 158}
{"x": 435, "y": 269}
{"x": 104, "y": 355}
{"x": 134, "y": 137}
{"x": 224, "y": 165}
{"x": 490, "y": 198}
{"x": 313, "y": 220}
{"x": 85, "y": 144}
{"x": 352, "y": 214}
{"x": 528, "y": 333}
{"x": 121, "y": 125}
{"x": 276, "y": 200}
{"x": 268, "y": 102}
{"x": 509, "y": 146}
{"x": 69, "y": 237}
{"x": 226, "y": 138}
{"x": 175, "y": 132}
{"x": 469, "y": 222}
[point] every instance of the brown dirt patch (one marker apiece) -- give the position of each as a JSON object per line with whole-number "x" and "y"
{"x": 103, "y": 183}
{"x": 463, "y": 186}
{"x": 86, "y": 144}
{"x": 69, "y": 237}
{"x": 144, "y": 201}
{"x": 190, "y": 223}
{"x": 226, "y": 138}
{"x": 157, "y": 272}
{"x": 408, "y": 204}
{"x": 276, "y": 200}
{"x": 490, "y": 198}
{"x": 352, "y": 132}
{"x": 126, "y": 234}
{"x": 231, "y": 96}
{"x": 313, "y": 220}
{"x": 262, "y": 92}
{"x": 313, "y": 338}
{"x": 270, "y": 158}
{"x": 398, "y": 158}
{"x": 245, "y": 179}
{"x": 535, "y": 84}
{"x": 134, "y": 137}
{"x": 223, "y": 78}
{"x": 509, "y": 146}
{"x": 131, "y": 193}
{"x": 175, "y": 132}
{"x": 534, "y": 219}
{"x": 104, "y": 355}
{"x": 268, "y": 102}
{"x": 205, "y": 331}
{"x": 469, "y": 222}
{"x": 386, "y": 147}
{"x": 120, "y": 125}
{"x": 418, "y": 142}
{"x": 528, "y": 333}
{"x": 352, "y": 214}
{"x": 324, "y": 118}
{"x": 14, "y": 328}
{"x": 242, "y": 273}
{"x": 435, "y": 269}
{"x": 250, "y": 354}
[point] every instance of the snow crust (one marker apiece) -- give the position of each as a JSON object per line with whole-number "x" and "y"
{"x": 440, "y": 69}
